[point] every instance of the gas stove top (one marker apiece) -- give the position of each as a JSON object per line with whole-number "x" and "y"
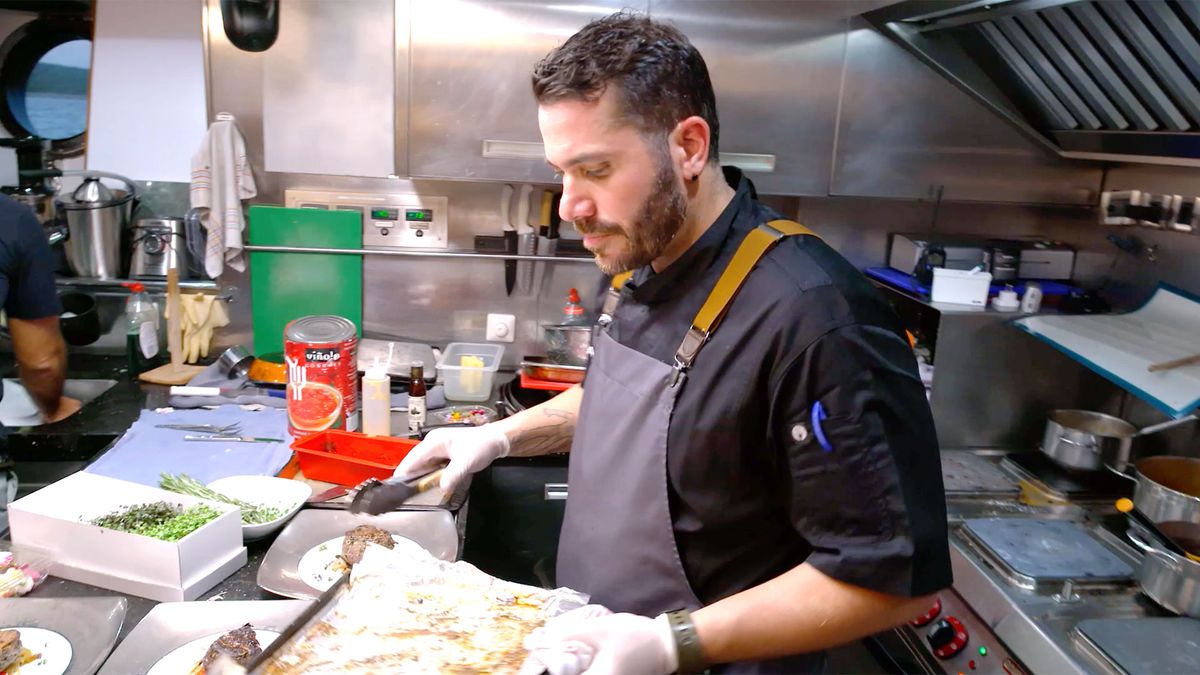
{"x": 1046, "y": 586}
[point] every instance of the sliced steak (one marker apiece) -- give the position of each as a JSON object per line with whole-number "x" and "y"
{"x": 240, "y": 644}
{"x": 354, "y": 544}
{"x": 10, "y": 647}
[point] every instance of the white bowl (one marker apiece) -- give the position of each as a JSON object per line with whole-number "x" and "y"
{"x": 280, "y": 493}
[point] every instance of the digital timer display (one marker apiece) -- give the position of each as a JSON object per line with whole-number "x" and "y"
{"x": 418, "y": 215}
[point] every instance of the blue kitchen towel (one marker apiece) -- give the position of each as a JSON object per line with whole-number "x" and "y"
{"x": 145, "y": 451}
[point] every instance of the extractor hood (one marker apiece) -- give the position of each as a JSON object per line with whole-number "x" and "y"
{"x": 1115, "y": 80}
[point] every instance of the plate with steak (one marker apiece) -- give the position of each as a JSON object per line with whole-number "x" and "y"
{"x": 318, "y": 546}
{"x": 27, "y": 650}
{"x": 196, "y": 657}
{"x": 326, "y": 562}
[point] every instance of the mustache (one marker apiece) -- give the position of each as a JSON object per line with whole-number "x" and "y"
{"x": 590, "y": 227}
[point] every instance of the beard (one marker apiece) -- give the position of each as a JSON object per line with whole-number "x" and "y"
{"x": 658, "y": 221}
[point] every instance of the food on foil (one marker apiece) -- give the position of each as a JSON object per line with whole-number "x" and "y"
{"x": 404, "y": 611}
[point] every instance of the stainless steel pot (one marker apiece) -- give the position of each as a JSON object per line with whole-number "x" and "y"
{"x": 1168, "y": 488}
{"x": 96, "y": 218}
{"x": 1082, "y": 439}
{"x": 1170, "y": 580}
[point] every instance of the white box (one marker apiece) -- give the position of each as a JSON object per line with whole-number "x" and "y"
{"x": 960, "y": 288}
{"x": 58, "y": 518}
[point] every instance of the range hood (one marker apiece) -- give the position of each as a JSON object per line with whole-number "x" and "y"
{"x": 1114, "y": 80}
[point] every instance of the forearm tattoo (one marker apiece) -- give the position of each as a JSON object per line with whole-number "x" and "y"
{"x": 549, "y": 431}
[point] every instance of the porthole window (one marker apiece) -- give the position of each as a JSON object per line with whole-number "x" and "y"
{"x": 44, "y": 74}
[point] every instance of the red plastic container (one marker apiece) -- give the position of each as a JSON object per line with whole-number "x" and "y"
{"x": 349, "y": 458}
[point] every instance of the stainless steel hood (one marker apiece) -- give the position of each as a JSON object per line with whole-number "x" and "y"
{"x": 1111, "y": 80}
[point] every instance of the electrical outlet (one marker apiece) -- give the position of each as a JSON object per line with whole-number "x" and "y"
{"x": 501, "y": 327}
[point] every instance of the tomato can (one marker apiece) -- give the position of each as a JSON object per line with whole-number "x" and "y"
{"x": 322, "y": 364}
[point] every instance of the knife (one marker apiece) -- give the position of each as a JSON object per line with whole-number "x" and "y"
{"x": 546, "y": 245}
{"x": 375, "y": 496}
{"x": 526, "y": 240}
{"x": 510, "y": 239}
{"x": 324, "y": 496}
{"x": 233, "y": 439}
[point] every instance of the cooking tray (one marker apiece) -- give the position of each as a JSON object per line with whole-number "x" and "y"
{"x": 1160, "y": 645}
{"x": 434, "y": 530}
{"x": 1035, "y": 553}
{"x": 91, "y": 625}
{"x": 967, "y": 475}
{"x": 171, "y": 625}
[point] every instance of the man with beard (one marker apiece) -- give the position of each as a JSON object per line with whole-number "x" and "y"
{"x": 754, "y": 474}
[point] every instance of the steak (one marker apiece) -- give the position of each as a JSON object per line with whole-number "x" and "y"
{"x": 240, "y": 644}
{"x": 10, "y": 648}
{"x": 354, "y": 544}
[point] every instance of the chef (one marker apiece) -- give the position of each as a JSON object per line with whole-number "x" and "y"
{"x": 754, "y": 473}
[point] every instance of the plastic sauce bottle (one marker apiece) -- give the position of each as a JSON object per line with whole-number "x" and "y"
{"x": 573, "y": 312}
{"x": 416, "y": 397}
{"x": 377, "y": 401}
{"x": 142, "y": 345}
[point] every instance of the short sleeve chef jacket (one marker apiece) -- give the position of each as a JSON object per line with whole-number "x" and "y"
{"x": 748, "y": 500}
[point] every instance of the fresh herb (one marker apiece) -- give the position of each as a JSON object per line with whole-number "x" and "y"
{"x": 252, "y": 514}
{"x": 160, "y": 520}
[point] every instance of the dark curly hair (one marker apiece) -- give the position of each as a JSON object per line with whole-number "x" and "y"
{"x": 660, "y": 77}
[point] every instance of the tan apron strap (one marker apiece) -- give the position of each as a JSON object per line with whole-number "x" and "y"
{"x": 756, "y": 244}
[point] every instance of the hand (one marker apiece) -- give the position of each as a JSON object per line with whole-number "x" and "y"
{"x": 602, "y": 643}
{"x": 67, "y": 406}
{"x": 469, "y": 450}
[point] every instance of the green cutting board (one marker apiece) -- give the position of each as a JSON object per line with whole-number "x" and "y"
{"x": 286, "y": 286}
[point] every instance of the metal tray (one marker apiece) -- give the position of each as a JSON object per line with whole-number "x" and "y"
{"x": 435, "y": 530}
{"x": 173, "y": 624}
{"x": 91, "y": 625}
{"x": 314, "y": 612}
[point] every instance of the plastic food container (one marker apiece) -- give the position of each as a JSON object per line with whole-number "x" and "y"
{"x": 467, "y": 370}
{"x": 22, "y": 568}
{"x": 349, "y": 458}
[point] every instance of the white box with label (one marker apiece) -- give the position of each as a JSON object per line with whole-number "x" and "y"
{"x": 960, "y": 287}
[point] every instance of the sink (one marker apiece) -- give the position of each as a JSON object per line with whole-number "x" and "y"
{"x": 17, "y": 409}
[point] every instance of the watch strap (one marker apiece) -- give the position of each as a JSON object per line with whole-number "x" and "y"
{"x": 687, "y": 642}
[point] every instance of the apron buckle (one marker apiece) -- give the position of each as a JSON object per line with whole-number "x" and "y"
{"x": 692, "y": 342}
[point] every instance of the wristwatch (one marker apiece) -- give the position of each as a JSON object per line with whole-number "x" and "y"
{"x": 687, "y": 642}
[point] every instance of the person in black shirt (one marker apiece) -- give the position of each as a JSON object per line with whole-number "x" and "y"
{"x": 30, "y": 302}
{"x": 753, "y": 460}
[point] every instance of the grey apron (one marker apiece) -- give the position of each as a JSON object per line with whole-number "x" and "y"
{"x": 618, "y": 541}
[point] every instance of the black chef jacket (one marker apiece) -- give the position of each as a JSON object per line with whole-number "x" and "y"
{"x": 748, "y": 500}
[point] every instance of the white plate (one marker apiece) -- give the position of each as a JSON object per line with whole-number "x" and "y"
{"x": 317, "y": 569}
{"x": 281, "y": 493}
{"x": 54, "y": 650}
{"x": 183, "y": 658}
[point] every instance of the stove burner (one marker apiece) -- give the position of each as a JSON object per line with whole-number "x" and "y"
{"x": 968, "y": 476}
{"x": 1069, "y": 484}
{"x": 1034, "y": 553}
{"x": 1144, "y": 645}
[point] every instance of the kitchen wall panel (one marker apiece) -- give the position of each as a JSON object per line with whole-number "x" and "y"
{"x": 328, "y": 89}
{"x": 471, "y": 61}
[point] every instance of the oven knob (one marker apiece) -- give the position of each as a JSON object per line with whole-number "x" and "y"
{"x": 947, "y": 637}
{"x": 932, "y": 614}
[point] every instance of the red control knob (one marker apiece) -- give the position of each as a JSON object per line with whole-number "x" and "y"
{"x": 925, "y": 618}
{"x": 947, "y": 637}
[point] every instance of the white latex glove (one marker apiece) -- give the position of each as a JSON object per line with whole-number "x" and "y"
{"x": 469, "y": 449}
{"x": 618, "y": 644}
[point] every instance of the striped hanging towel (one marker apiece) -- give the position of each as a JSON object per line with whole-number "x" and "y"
{"x": 221, "y": 179}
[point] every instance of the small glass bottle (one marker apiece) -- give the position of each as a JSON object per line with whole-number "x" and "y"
{"x": 573, "y": 312}
{"x": 416, "y": 398}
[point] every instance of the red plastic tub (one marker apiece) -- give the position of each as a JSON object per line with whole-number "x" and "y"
{"x": 349, "y": 458}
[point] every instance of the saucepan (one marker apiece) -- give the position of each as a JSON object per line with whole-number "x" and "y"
{"x": 1082, "y": 439}
{"x": 1171, "y": 580}
{"x": 1168, "y": 488}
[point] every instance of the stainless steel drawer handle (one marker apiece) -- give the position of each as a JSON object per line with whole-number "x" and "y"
{"x": 555, "y": 492}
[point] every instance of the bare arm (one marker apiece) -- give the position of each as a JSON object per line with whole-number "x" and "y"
{"x": 544, "y": 429}
{"x": 799, "y": 611}
{"x": 41, "y": 355}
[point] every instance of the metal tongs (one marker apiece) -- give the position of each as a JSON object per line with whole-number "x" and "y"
{"x": 375, "y": 496}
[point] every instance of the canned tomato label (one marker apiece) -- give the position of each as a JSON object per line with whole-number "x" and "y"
{"x": 322, "y": 362}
